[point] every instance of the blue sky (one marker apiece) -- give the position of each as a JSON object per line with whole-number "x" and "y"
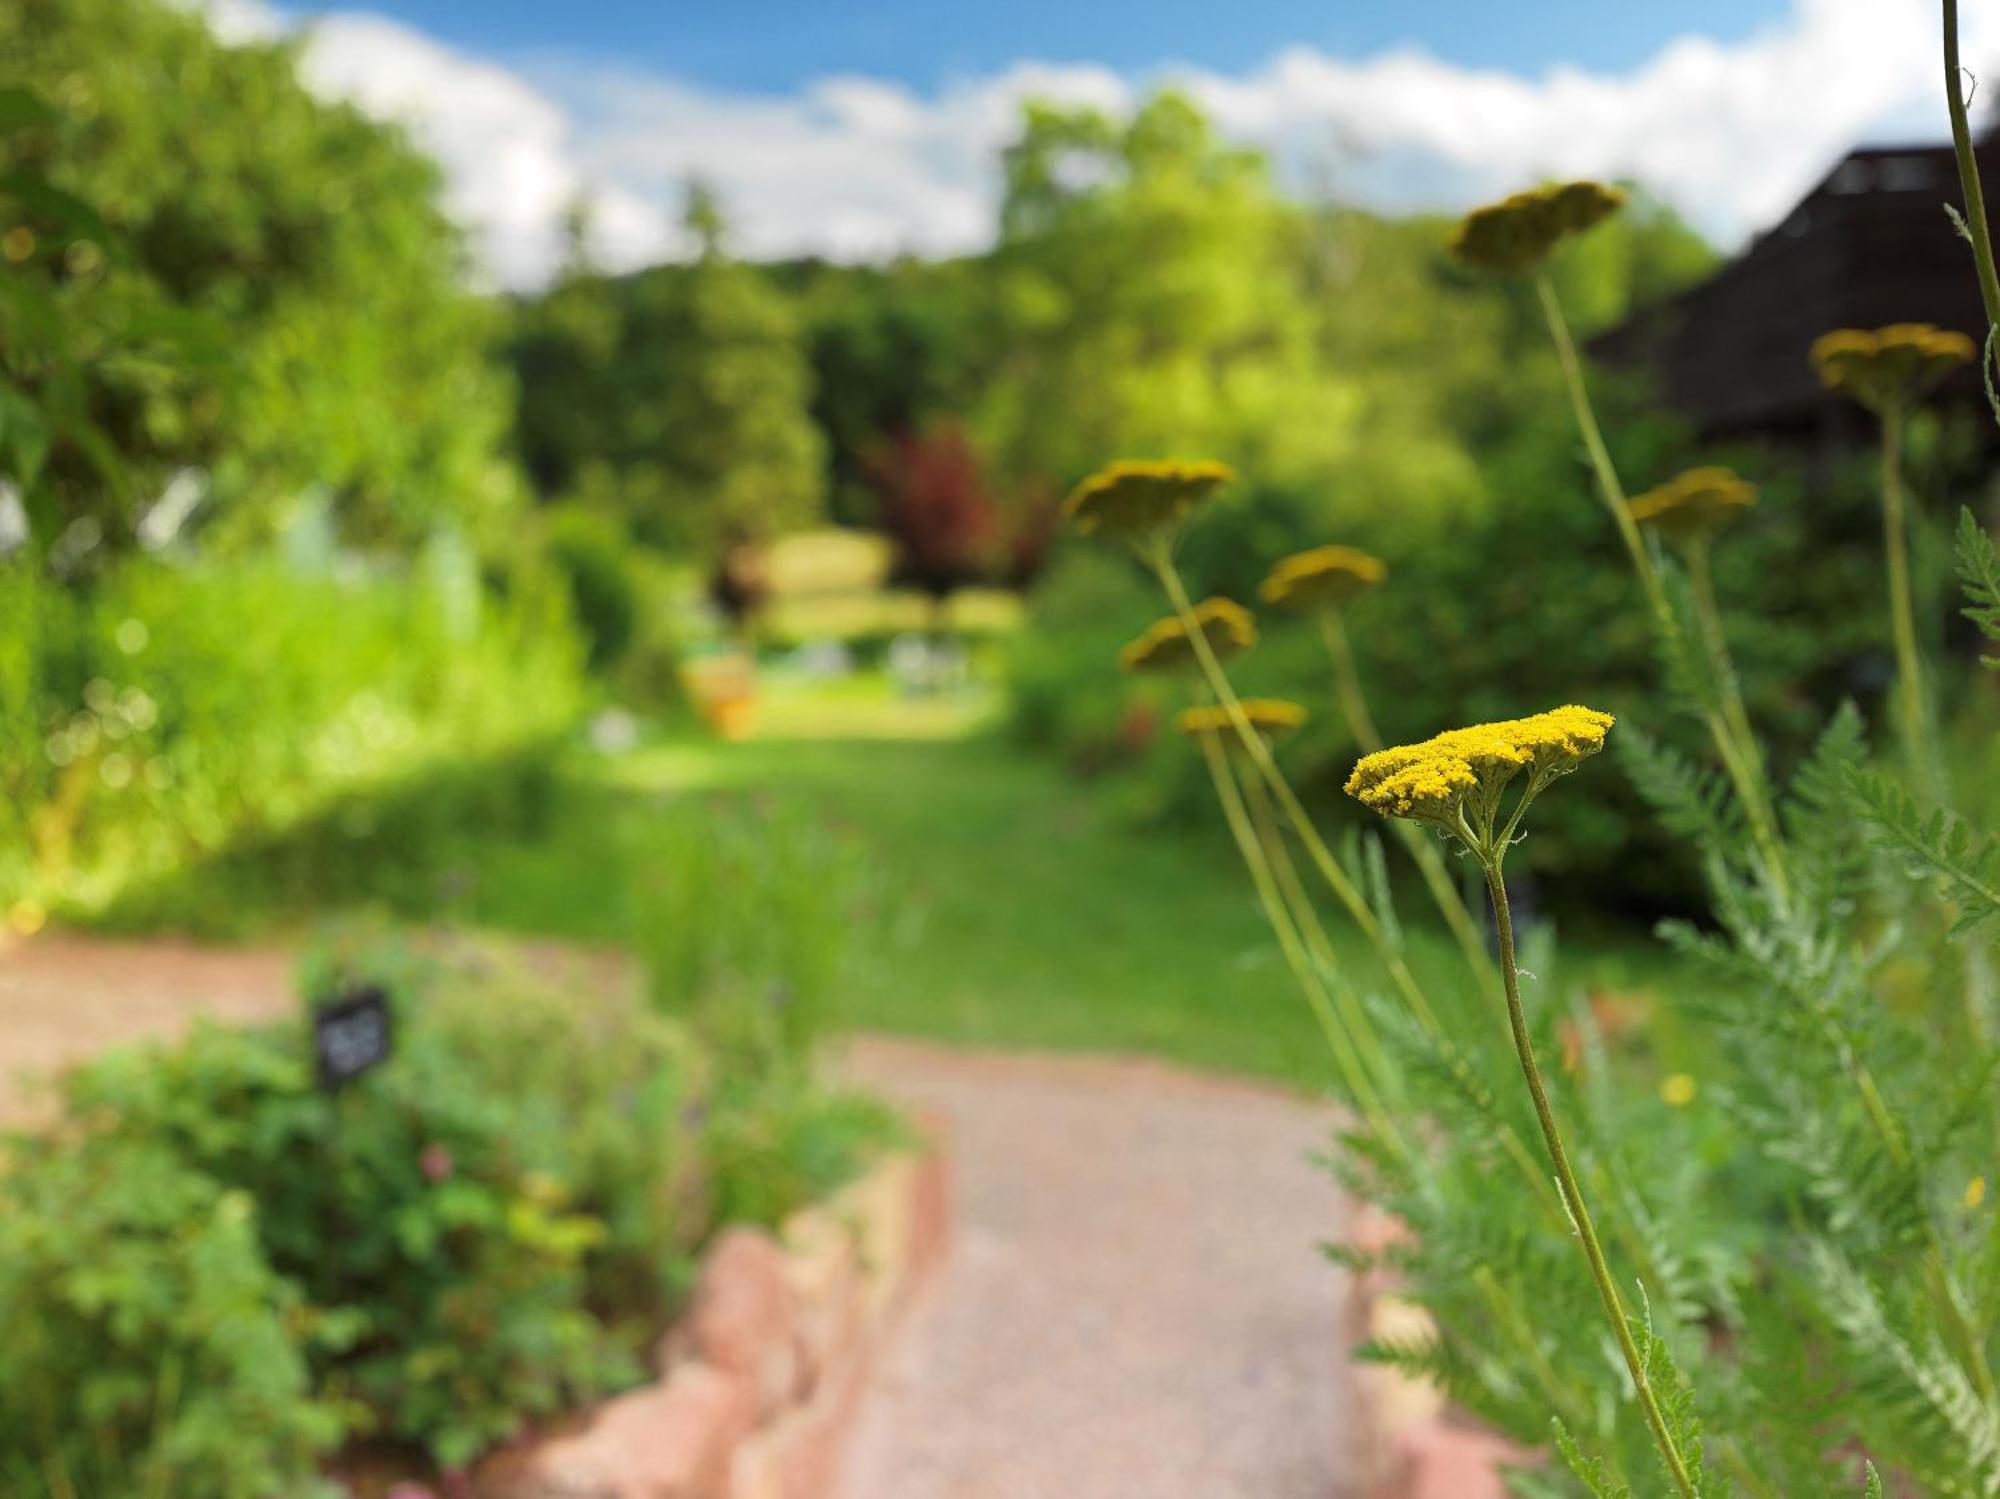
{"x": 862, "y": 132}
{"x": 778, "y": 45}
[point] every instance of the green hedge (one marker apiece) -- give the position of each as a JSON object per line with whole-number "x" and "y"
{"x": 162, "y": 716}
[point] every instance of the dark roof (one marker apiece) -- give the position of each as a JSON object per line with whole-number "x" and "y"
{"x": 1871, "y": 244}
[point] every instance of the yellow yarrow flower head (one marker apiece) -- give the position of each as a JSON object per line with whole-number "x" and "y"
{"x": 1322, "y": 578}
{"x": 1272, "y": 717}
{"x": 1460, "y": 774}
{"x": 1139, "y": 498}
{"x": 1678, "y": 1089}
{"x": 1515, "y": 235}
{"x": 1889, "y": 367}
{"x": 1225, "y": 624}
{"x": 1695, "y": 505}
{"x": 1975, "y": 1192}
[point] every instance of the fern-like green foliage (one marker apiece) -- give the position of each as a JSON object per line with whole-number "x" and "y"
{"x": 1979, "y": 571}
{"x": 1935, "y": 843}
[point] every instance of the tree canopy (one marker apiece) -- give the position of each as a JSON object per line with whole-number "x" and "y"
{"x": 349, "y": 358}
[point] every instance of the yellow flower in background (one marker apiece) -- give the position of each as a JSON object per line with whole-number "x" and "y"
{"x": 1270, "y": 716}
{"x": 1678, "y": 1089}
{"x": 1323, "y": 577}
{"x": 1975, "y": 1192}
{"x": 1137, "y": 498}
{"x": 1225, "y": 624}
{"x": 1695, "y": 505}
{"x": 27, "y": 917}
{"x": 1515, "y": 235}
{"x": 1889, "y": 367}
{"x": 1430, "y": 781}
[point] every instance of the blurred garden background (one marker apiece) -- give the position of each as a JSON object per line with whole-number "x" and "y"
{"x": 378, "y": 587}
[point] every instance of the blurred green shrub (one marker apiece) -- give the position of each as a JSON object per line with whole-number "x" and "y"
{"x": 342, "y": 353}
{"x": 443, "y": 1218}
{"x": 1535, "y": 555}
{"x": 170, "y": 714}
{"x": 742, "y": 916}
{"x": 591, "y": 550}
{"x": 150, "y": 1347}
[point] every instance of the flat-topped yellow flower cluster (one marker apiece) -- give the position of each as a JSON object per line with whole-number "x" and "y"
{"x": 1270, "y": 716}
{"x": 1165, "y": 646}
{"x": 1321, "y": 578}
{"x": 1519, "y": 232}
{"x": 1696, "y": 504}
{"x": 1430, "y": 781}
{"x": 1136, "y": 497}
{"x": 1889, "y": 366}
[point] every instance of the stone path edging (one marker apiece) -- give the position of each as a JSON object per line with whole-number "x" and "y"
{"x": 1407, "y": 1443}
{"x": 763, "y": 1377}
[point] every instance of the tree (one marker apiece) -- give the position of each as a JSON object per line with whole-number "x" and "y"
{"x": 357, "y": 363}
{"x": 935, "y": 503}
{"x": 679, "y": 397}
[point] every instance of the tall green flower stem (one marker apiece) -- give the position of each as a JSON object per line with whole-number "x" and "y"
{"x": 1740, "y": 760}
{"x": 1340, "y": 1032}
{"x": 1159, "y": 559}
{"x": 1491, "y": 853}
{"x": 1912, "y": 716}
{"x": 1708, "y": 613}
{"x": 1976, "y": 226}
{"x": 1429, "y": 861}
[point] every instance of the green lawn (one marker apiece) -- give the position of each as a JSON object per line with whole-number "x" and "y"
{"x": 1006, "y": 906}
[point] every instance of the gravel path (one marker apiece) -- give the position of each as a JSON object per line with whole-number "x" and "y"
{"x": 1134, "y": 1306}
{"x": 64, "y": 997}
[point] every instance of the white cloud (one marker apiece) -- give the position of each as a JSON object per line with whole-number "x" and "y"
{"x": 858, "y": 167}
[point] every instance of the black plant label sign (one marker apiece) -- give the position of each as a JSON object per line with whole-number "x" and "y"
{"x": 350, "y": 1035}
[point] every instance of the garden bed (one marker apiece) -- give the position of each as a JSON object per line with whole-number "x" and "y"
{"x": 222, "y": 1280}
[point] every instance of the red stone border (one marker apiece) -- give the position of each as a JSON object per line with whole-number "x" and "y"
{"x": 1407, "y": 1443}
{"x": 762, "y": 1379}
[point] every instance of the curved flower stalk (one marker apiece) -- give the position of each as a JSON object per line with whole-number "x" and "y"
{"x": 1148, "y": 520}
{"x": 1973, "y": 222}
{"x": 1889, "y": 370}
{"x": 1458, "y": 783}
{"x": 1142, "y": 503}
{"x": 1517, "y": 237}
{"x": 1689, "y": 511}
{"x": 1321, "y": 582}
{"x": 1352, "y": 1041}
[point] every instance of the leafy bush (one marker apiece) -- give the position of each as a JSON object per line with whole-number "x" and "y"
{"x": 449, "y": 1219}
{"x": 593, "y": 553}
{"x": 168, "y": 715}
{"x": 150, "y": 1347}
{"x": 345, "y": 357}
{"x": 743, "y": 911}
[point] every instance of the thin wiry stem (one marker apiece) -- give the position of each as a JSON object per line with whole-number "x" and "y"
{"x": 1739, "y": 759}
{"x": 1158, "y": 558}
{"x": 1345, "y": 1053}
{"x": 1912, "y": 716}
{"x": 1968, "y": 171}
{"x": 1701, "y": 580}
{"x": 1572, "y": 1194}
{"x": 1295, "y": 813}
